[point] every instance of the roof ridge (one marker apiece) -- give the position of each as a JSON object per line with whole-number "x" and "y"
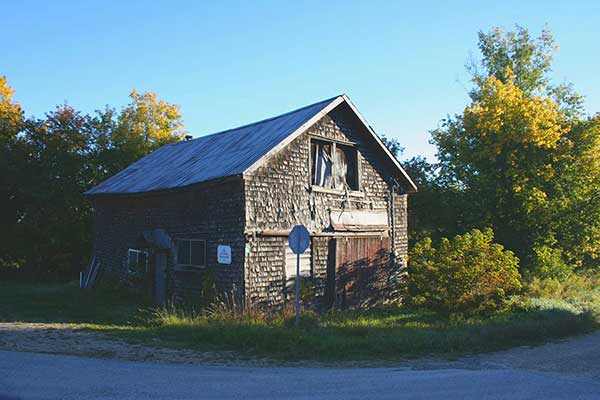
{"x": 258, "y": 122}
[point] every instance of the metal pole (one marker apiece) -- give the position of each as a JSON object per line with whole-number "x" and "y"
{"x": 297, "y": 288}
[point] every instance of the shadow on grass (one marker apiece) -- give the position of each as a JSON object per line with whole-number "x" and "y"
{"x": 66, "y": 303}
{"x": 321, "y": 341}
{"x": 380, "y": 334}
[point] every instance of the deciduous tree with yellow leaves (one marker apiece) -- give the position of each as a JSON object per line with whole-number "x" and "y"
{"x": 11, "y": 121}
{"x": 46, "y": 164}
{"x": 524, "y": 157}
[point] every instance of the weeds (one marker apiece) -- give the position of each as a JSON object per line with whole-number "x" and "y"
{"x": 387, "y": 333}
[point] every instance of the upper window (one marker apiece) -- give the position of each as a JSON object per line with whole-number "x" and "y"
{"x": 334, "y": 165}
{"x": 137, "y": 261}
{"x": 191, "y": 252}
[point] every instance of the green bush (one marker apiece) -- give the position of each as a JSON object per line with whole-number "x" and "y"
{"x": 579, "y": 290}
{"x": 467, "y": 274}
{"x": 549, "y": 263}
{"x": 307, "y": 291}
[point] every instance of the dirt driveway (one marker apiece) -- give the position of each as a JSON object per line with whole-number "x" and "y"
{"x": 64, "y": 339}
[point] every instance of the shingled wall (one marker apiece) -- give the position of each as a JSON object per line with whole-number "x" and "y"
{"x": 214, "y": 213}
{"x": 279, "y": 196}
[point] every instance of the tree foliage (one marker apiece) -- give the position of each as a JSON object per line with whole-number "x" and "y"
{"x": 393, "y": 146}
{"x": 144, "y": 125}
{"x": 514, "y": 56}
{"x": 10, "y": 112}
{"x": 11, "y": 121}
{"x": 522, "y": 158}
{"x": 48, "y": 163}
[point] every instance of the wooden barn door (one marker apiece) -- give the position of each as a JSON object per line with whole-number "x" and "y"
{"x": 352, "y": 268}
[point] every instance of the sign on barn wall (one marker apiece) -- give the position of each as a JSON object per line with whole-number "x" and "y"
{"x": 224, "y": 254}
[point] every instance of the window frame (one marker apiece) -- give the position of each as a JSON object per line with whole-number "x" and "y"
{"x": 137, "y": 252}
{"x": 190, "y": 265}
{"x": 334, "y": 143}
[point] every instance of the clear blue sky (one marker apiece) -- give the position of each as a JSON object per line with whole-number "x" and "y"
{"x": 230, "y": 63}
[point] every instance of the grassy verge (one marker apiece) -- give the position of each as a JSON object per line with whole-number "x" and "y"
{"x": 66, "y": 303}
{"x": 378, "y": 334}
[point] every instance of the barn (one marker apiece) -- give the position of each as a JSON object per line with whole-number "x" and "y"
{"x": 217, "y": 210}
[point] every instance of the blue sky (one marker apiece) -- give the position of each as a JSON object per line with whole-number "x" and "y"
{"x": 231, "y": 63}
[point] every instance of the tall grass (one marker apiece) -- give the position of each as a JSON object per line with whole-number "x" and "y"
{"x": 385, "y": 333}
{"x": 388, "y": 333}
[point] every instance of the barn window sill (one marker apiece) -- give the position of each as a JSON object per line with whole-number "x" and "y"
{"x": 351, "y": 193}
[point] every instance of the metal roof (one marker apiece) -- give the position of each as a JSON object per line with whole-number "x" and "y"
{"x": 233, "y": 152}
{"x": 209, "y": 157}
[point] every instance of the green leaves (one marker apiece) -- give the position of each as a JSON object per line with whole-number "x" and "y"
{"x": 522, "y": 157}
{"x": 48, "y": 163}
{"x": 530, "y": 59}
{"x": 468, "y": 273}
{"x": 144, "y": 125}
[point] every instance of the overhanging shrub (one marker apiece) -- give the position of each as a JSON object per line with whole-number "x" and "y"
{"x": 469, "y": 273}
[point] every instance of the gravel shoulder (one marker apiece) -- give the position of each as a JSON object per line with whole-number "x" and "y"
{"x": 577, "y": 357}
{"x": 56, "y": 338}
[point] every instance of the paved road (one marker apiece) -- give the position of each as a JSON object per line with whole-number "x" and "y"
{"x": 45, "y": 376}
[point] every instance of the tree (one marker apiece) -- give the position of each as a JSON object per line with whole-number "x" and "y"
{"x": 393, "y": 146}
{"x": 521, "y": 155}
{"x": 48, "y": 163}
{"x": 55, "y": 218}
{"x": 436, "y": 209}
{"x": 11, "y": 114}
{"x": 11, "y": 120}
{"x": 527, "y": 61}
{"x": 143, "y": 126}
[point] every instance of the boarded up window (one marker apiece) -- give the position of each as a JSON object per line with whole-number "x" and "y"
{"x": 290, "y": 263}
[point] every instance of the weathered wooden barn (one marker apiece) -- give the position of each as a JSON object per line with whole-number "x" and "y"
{"x": 223, "y": 204}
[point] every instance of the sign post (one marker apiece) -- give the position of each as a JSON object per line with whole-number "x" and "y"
{"x": 299, "y": 240}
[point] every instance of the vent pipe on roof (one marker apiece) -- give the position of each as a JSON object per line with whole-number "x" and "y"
{"x": 187, "y": 137}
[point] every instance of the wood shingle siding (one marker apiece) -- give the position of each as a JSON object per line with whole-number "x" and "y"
{"x": 248, "y": 195}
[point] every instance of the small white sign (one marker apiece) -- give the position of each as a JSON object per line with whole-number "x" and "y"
{"x": 224, "y": 254}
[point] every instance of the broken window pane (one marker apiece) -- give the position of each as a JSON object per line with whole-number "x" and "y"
{"x": 340, "y": 169}
{"x": 322, "y": 164}
{"x": 334, "y": 169}
{"x": 350, "y": 177}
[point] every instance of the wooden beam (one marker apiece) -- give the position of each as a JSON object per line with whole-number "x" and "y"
{"x": 286, "y": 232}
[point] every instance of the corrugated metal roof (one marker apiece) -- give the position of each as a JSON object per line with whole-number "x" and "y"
{"x": 209, "y": 157}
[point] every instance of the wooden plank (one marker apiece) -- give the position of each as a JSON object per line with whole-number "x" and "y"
{"x": 355, "y": 260}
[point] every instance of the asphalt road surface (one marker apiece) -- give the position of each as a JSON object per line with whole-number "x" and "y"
{"x": 48, "y": 376}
